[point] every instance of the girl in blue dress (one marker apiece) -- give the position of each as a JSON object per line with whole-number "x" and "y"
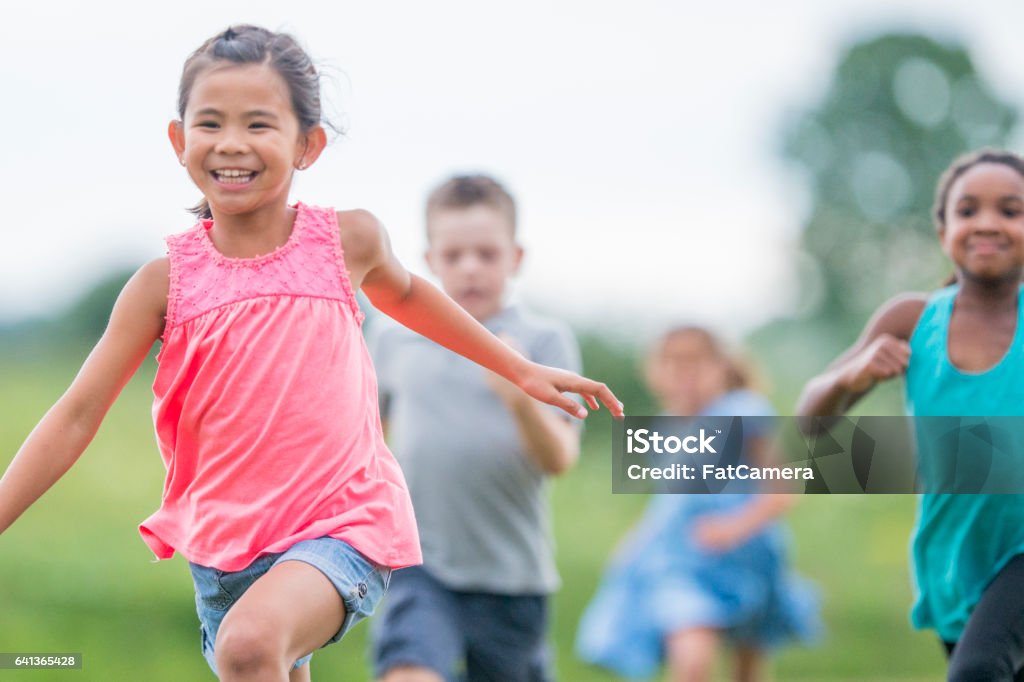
{"x": 699, "y": 568}
{"x": 961, "y": 349}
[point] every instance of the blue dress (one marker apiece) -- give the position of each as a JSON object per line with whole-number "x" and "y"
{"x": 661, "y": 581}
{"x": 961, "y": 541}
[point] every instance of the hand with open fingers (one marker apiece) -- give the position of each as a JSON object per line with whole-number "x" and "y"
{"x": 884, "y": 358}
{"x": 548, "y": 385}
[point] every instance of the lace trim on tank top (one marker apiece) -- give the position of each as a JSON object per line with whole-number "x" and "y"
{"x": 314, "y": 225}
{"x": 279, "y": 252}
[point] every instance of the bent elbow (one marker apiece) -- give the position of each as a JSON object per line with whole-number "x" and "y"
{"x": 562, "y": 463}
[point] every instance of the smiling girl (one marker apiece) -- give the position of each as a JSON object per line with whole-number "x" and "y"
{"x": 962, "y": 351}
{"x": 280, "y": 490}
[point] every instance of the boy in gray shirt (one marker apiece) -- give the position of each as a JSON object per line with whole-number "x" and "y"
{"x": 476, "y": 453}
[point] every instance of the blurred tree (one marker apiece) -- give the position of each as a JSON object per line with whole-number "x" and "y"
{"x": 86, "y": 318}
{"x": 74, "y": 330}
{"x": 619, "y": 365}
{"x": 899, "y": 109}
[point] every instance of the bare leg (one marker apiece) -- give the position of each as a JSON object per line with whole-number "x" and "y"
{"x": 411, "y": 673}
{"x": 691, "y": 654}
{"x": 749, "y": 664}
{"x": 289, "y": 612}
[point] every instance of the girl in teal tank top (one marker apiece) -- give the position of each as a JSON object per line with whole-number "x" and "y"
{"x": 962, "y": 351}
{"x": 953, "y": 567}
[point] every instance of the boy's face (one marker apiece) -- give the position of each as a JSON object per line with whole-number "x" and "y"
{"x": 473, "y": 253}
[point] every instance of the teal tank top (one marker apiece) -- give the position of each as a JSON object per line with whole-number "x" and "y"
{"x": 960, "y": 542}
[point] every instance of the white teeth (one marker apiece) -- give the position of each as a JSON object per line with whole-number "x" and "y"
{"x": 234, "y": 175}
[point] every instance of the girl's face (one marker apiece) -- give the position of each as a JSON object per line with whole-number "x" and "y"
{"x": 686, "y": 373}
{"x": 984, "y": 230}
{"x": 240, "y": 138}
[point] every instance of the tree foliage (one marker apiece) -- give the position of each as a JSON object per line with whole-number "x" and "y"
{"x": 73, "y": 329}
{"x": 898, "y": 110}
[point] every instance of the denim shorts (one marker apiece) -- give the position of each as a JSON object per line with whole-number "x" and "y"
{"x": 360, "y": 582}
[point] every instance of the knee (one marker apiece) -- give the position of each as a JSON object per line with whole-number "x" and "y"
{"x": 691, "y": 655}
{"x": 690, "y": 668}
{"x": 244, "y": 649}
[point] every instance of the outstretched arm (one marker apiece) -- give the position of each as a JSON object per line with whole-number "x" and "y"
{"x": 68, "y": 427}
{"x": 420, "y": 306}
{"x": 882, "y": 352}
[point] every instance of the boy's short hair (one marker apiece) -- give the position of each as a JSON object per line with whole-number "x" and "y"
{"x": 465, "y": 191}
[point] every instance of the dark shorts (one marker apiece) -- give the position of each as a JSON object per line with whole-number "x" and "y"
{"x": 462, "y": 636}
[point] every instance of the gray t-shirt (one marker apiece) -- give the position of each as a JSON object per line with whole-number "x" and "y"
{"x": 481, "y": 503}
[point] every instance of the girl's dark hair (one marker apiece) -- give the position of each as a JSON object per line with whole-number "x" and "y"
{"x": 956, "y": 170}
{"x": 738, "y": 375}
{"x": 961, "y": 166}
{"x": 246, "y": 44}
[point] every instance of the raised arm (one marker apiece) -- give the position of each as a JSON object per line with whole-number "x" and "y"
{"x": 68, "y": 427}
{"x": 881, "y": 352}
{"x": 420, "y": 306}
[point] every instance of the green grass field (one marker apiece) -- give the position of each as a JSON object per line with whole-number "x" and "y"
{"x": 76, "y": 577}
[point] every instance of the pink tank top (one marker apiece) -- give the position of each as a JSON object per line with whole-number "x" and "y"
{"x": 265, "y": 407}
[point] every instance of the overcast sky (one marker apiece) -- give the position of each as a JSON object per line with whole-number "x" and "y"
{"x": 640, "y": 138}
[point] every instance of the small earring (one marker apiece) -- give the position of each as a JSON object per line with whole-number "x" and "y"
{"x": 181, "y": 160}
{"x": 302, "y": 166}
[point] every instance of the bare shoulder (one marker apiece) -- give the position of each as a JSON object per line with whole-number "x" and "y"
{"x": 149, "y": 286}
{"x": 362, "y": 238}
{"x": 158, "y": 269}
{"x": 141, "y": 308}
{"x": 898, "y": 316}
{"x": 361, "y": 232}
{"x": 154, "y": 276}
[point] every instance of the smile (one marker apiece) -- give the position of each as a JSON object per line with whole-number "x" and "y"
{"x": 987, "y": 247}
{"x": 233, "y": 176}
